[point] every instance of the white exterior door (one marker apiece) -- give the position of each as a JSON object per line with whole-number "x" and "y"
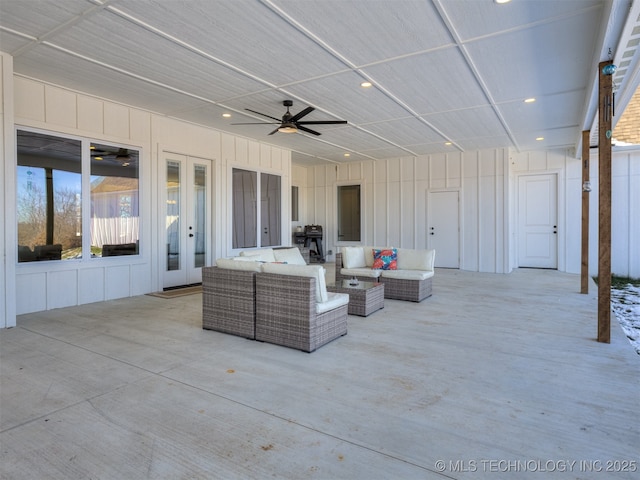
{"x": 538, "y": 221}
{"x": 443, "y": 227}
{"x": 188, "y": 219}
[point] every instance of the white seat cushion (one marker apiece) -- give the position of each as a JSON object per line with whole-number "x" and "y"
{"x": 292, "y": 256}
{"x": 314, "y": 271}
{"x": 334, "y": 300}
{"x": 360, "y": 272}
{"x": 407, "y": 274}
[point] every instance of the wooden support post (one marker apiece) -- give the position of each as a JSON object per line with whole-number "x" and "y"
{"x": 586, "y": 188}
{"x": 605, "y": 113}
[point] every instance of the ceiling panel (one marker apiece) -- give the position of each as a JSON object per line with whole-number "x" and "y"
{"x": 407, "y": 131}
{"x": 244, "y": 33}
{"x": 431, "y": 82}
{"x": 64, "y": 69}
{"x": 515, "y": 67}
{"x": 442, "y": 69}
{"x": 366, "y": 33}
{"x": 469, "y": 122}
{"x": 142, "y": 53}
{"x": 24, "y": 17}
{"x": 474, "y": 19}
{"x": 549, "y": 111}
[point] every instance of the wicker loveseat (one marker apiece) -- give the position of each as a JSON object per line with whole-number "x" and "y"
{"x": 411, "y": 280}
{"x": 272, "y": 296}
{"x": 229, "y": 290}
{"x": 294, "y": 309}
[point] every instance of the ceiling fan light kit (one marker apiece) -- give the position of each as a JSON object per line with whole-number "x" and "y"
{"x": 291, "y": 123}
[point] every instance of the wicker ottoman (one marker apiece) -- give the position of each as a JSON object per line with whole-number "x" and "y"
{"x": 364, "y": 298}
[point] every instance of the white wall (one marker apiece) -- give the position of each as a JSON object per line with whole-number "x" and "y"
{"x": 47, "y": 107}
{"x": 394, "y": 202}
{"x": 8, "y": 246}
{"x": 395, "y": 211}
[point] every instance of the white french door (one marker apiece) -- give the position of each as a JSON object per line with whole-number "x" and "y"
{"x": 443, "y": 227}
{"x": 538, "y": 221}
{"x": 187, "y": 219}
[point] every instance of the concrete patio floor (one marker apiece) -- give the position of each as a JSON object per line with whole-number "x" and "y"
{"x": 493, "y": 376}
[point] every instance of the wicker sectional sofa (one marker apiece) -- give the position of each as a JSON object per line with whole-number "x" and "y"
{"x": 411, "y": 280}
{"x": 286, "y": 304}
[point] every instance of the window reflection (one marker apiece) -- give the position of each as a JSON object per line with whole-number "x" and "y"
{"x": 49, "y": 193}
{"x": 115, "y": 220}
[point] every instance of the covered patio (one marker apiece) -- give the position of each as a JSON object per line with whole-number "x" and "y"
{"x": 492, "y": 374}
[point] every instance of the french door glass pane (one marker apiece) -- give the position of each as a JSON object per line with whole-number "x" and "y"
{"x": 200, "y": 214}
{"x": 173, "y": 215}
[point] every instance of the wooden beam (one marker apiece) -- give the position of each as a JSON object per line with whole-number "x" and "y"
{"x": 605, "y": 113}
{"x": 584, "y": 270}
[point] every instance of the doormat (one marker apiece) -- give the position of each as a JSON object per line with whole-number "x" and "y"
{"x": 178, "y": 292}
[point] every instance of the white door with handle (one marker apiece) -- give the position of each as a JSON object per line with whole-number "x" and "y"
{"x": 443, "y": 227}
{"x": 538, "y": 221}
{"x": 187, "y": 218}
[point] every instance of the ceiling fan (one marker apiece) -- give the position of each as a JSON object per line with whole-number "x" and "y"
{"x": 120, "y": 156}
{"x": 291, "y": 123}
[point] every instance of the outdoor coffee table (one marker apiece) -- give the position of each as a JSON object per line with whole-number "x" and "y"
{"x": 364, "y": 297}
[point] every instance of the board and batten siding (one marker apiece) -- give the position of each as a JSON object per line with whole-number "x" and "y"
{"x": 42, "y": 106}
{"x": 394, "y": 204}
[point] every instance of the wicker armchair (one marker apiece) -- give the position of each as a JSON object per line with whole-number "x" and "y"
{"x": 286, "y": 313}
{"x": 229, "y": 301}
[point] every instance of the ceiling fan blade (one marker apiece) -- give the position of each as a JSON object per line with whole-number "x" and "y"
{"x": 308, "y": 130}
{"x": 256, "y": 123}
{"x": 323, "y": 122}
{"x": 301, "y": 114}
{"x": 263, "y": 114}
{"x": 274, "y": 131}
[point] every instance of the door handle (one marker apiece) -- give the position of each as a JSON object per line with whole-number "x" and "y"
{"x": 432, "y": 231}
{"x": 190, "y": 235}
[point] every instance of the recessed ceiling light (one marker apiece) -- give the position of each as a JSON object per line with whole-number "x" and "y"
{"x": 448, "y": 143}
{"x": 366, "y": 84}
{"x": 500, "y": 2}
{"x": 529, "y": 100}
{"x": 347, "y": 154}
{"x": 226, "y": 115}
{"x": 539, "y": 139}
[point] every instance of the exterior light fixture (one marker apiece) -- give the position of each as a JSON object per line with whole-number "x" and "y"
{"x": 287, "y": 128}
{"x": 586, "y": 186}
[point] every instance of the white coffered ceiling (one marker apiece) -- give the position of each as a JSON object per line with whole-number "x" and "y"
{"x": 453, "y": 71}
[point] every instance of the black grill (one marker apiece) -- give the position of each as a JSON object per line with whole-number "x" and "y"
{"x": 313, "y": 233}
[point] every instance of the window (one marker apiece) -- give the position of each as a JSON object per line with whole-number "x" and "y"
{"x": 247, "y": 210}
{"x": 348, "y": 213}
{"x": 50, "y": 198}
{"x": 294, "y": 204}
{"x": 115, "y": 220}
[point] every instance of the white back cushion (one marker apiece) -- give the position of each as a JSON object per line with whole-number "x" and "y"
{"x": 353, "y": 257}
{"x": 292, "y": 256}
{"x": 409, "y": 259}
{"x": 263, "y": 254}
{"x": 231, "y": 264}
{"x": 313, "y": 271}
